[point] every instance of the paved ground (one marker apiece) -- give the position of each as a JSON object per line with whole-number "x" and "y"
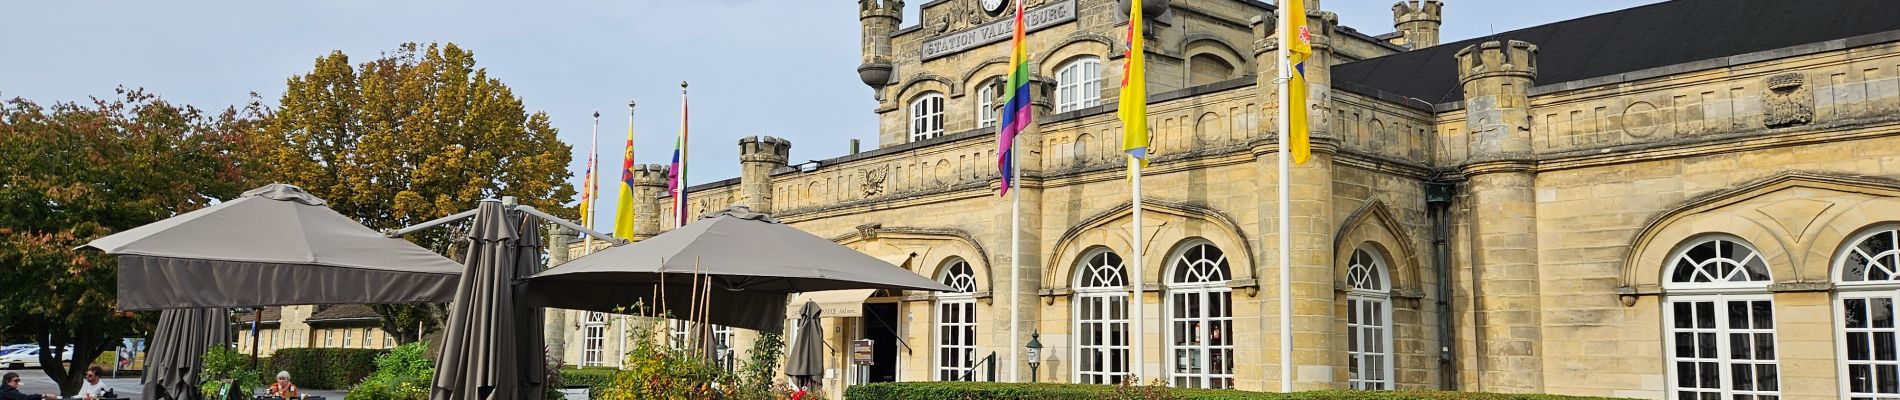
{"x": 32, "y": 381}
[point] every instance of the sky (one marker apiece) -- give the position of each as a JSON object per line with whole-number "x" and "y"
{"x": 784, "y": 68}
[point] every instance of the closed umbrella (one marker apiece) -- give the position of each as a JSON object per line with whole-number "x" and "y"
{"x": 806, "y": 360}
{"x": 530, "y": 339}
{"x": 752, "y": 262}
{"x": 481, "y": 358}
{"x": 178, "y": 343}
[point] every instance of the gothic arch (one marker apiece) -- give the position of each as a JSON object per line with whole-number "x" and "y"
{"x": 1796, "y": 221}
{"x": 929, "y": 249}
{"x": 1205, "y": 44}
{"x": 949, "y": 87}
{"x": 1167, "y": 225}
{"x": 1373, "y": 226}
{"x": 985, "y": 65}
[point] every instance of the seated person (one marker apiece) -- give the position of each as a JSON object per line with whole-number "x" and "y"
{"x": 93, "y": 389}
{"x": 10, "y": 390}
{"x": 283, "y": 388}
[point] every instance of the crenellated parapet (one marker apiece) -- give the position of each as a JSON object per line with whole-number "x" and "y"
{"x": 649, "y": 182}
{"x": 1418, "y": 22}
{"x": 759, "y": 156}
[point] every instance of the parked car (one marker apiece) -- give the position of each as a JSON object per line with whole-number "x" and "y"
{"x": 30, "y": 357}
{"x": 16, "y": 347}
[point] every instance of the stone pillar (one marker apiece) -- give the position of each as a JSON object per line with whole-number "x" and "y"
{"x": 560, "y": 249}
{"x": 1319, "y": 349}
{"x": 758, "y": 157}
{"x": 1417, "y": 22}
{"x": 1496, "y": 77}
{"x": 649, "y": 182}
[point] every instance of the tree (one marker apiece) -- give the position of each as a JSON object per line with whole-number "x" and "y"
{"x": 415, "y": 135}
{"x": 73, "y": 173}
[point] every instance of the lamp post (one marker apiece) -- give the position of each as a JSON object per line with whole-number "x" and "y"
{"x": 1034, "y": 353}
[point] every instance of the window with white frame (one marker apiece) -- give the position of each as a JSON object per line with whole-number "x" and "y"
{"x": 329, "y": 337}
{"x": 1101, "y": 318}
{"x": 986, "y": 112}
{"x": 956, "y": 323}
{"x": 679, "y": 333}
{"x": 1201, "y": 319}
{"x": 594, "y": 339}
{"x": 1079, "y": 84}
{"x": 389, "y": 340}
{"x": 1720, "y": 321}
{"x": 1868, "y": 284}
{"x": 926, "y": 116}
{"x": 1368, "y": 322}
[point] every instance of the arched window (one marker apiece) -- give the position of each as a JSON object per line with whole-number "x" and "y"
{"x": 1720, "y": 321}
{"x": 1079, "y": 84}
{"x": 986, "y": 113}
{"x": 926, "y": 116}
{"x": 956, "y": 323}
{"x": 1101, "y": 319}
{"x": 1201, "y": 319}
{"x": 593, "y": 339}
{"x": 1869, "y": 283}
{"x": 1368, "y": 322}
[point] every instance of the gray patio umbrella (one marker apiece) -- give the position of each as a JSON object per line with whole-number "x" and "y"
{"x": 753, "y": 262}
{"x": 806, "y": 359}
{"x": 530, "y": 339}
{"x": 482, "y": 348}
{"x": 275, "y": 245}
{"x": 178, "y": 343}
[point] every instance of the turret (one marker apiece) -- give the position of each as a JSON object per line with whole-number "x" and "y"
{"x": 1497, "y": 77}
{"x": 758, "y": 157}
{"x": 879, "y": 18}
{"x": 649, "y": 182}
{"x": 1417, "y": 22}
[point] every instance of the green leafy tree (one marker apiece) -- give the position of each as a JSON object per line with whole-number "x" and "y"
{"x": 74, "y": 172}
{"x": 414, "y": 135}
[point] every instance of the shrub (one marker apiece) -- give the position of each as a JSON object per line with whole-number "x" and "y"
{"x": 222, "y": 363}
{"x": 404, "y": 373}
{"x": 594, "y": 378}
{"x": 655, "y": 371}
{"x": 1066, "y": 391}
{"x": 326, "y": 369}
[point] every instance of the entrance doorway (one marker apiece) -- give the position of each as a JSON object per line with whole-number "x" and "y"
{"x": 880, "y": 325}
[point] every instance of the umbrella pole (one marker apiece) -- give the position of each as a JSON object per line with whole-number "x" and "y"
{"x": 665, "y": 340}
{"x": 692, "y": 315}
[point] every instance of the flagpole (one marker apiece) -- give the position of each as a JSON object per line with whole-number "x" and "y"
{"x": 1135, "y": 311}
{"x": 593, "y": 168}
{"x": 1015, "y": 259}
{"x": 1286, "y": 259}
{"x": 679, "y": 191}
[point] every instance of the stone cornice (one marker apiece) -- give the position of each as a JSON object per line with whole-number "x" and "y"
{"x": 1498, "y": 166}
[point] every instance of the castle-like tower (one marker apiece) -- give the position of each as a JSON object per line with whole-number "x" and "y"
{"x": 759, "y": 157}
{"x": 1417, "y": 22}
{"x": 1497, "y": 77}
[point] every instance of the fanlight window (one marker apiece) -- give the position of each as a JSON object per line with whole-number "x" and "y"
{"x": 1368, "y": 323}
{"x": 1101, "y": 319}
{"x": 959, "y": 276}
{"x": 1719, "y": 261}
{"x": 956, "y": 323}
{"x": 1200, "y": 319}
{"x": 1876, "y": 257}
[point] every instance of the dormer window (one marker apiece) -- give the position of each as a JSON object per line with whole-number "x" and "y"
{"x": 1079, "y": 84}
{"x": 926, "y": 116}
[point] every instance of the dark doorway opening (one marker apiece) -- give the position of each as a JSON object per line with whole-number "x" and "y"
{"x": 880, "y": 325}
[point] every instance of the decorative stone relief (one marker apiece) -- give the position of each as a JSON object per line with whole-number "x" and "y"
{"x": 1788, "y": 101}
{"x": 874, "y": 179}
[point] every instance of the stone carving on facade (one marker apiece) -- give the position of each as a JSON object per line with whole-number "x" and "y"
{"x": 1788, "y": 101}
{"x": 874, "y": 179}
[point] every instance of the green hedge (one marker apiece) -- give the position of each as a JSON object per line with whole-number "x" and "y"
{"x": 595, "y": 378}
{"x": 324, "y": 369}
{"x": 1066, "y": 391}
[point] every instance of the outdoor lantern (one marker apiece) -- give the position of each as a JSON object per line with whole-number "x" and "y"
{"x": 724, "y": 354}
{"x": 1034, "y": 349}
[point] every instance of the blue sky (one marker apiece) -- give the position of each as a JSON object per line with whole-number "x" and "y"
{"x": 784, "y": 68}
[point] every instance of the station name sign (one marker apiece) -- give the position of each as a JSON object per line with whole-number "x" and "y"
{"x": 1000, "y": 29}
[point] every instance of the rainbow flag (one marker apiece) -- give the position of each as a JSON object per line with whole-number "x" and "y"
{"x": 623, "y": 215}
{"x": 1298, "y": 42}
{"x": 1133, "y": 109}
{"x": 676, "y": 173}
{"x": 1016, "y": 110}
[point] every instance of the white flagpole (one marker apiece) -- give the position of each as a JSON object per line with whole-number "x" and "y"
{"x": 593, "y": 165}
{"x": 1135, "y": 341}
{"x": 1286, "y": 259}
{"x": 1015, "y": 258}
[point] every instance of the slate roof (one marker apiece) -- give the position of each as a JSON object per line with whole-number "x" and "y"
{"x": 1644, "y": 37}
{"x": 271, "y": 315}
{"x": 342, "y": 313}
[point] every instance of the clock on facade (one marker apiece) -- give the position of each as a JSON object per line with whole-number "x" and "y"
{"x": 995, "y": 7}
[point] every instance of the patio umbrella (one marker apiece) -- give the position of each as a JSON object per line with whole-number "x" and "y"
{"x": 530, "y": 339}
{"x": 275, "y": 245}
{"x": 752, "y": 261}
{"x": 481, "y": 358}
{"x": 178, "y": 343}
{"x": 806, "y": 360}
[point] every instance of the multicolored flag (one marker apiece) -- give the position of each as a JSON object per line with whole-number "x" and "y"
{"x": 623, "y": 215}
{"x": 1016, "y": 110}
{"x": 1133, "y": 109}
{"x": 676, "y": 174}
{"x": 1298, "y": 42}
{"x": 590, "y": 188}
